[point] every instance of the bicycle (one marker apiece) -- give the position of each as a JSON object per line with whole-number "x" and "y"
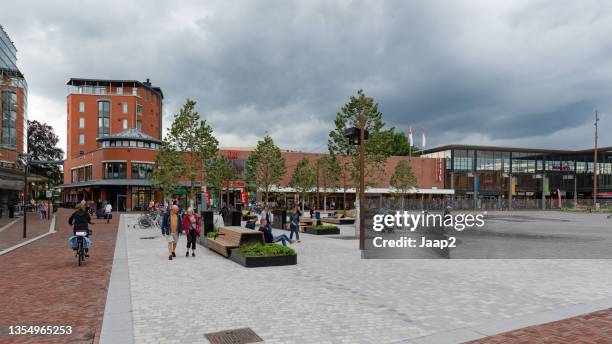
{"x": 80, "y": 251}
{"x": 151, "y": 219}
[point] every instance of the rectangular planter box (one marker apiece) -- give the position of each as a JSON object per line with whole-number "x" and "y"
{"x": 256, "y": 262}
{"x": 312, "y": 230}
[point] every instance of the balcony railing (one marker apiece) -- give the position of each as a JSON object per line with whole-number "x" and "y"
{"x": 97, "y": 90}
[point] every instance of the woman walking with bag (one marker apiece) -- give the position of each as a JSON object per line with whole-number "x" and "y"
{"x": 191, "y": 225}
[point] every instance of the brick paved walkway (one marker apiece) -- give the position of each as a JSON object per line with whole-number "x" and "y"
{"x": 41, "y": 284}
{"x": 13, "y": 235}
{"x": 595, "y": 328}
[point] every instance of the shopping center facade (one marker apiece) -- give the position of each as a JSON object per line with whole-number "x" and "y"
{"x": 114, "y": 132}
{"x": 495, "y": 175}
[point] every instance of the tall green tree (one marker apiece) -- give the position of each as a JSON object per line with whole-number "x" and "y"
{"x": 42, "y": 145}
{"x": 403, "y": 179}
{"x": 190, "y": 135}
{"x": 303, "y": 179}
{"x": 168, "y": 169}
{"x": 399, "y": 144}
{"x": 376, "y": 147}
{"x": 265, "y": 166}
{"x": 327, "y": 175}
{"x": 219, "y": 172}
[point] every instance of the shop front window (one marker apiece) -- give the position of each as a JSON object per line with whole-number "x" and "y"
{"x": 114, "y": 170}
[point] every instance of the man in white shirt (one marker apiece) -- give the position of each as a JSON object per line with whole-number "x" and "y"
{"x": 107, "y": 212}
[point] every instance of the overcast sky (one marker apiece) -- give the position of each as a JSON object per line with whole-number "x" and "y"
{"x": 520, "y": 73}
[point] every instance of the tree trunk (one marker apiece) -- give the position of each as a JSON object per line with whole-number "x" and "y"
{"x": 227, "y": 195}
{"x": 403, "y": 203}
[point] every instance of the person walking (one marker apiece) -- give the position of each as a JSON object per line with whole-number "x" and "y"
{"x": 193, "y": 229}
{"x": 172, "y": 228}
{"x": 294, "y": 226}
{"x": 108, "y": 209}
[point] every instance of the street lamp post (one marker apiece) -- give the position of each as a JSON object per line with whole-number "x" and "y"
{"x": 343, "y": 175}
{"x": 25, "y": 193}
{"x": 595, "y": 162}
{"x": 25, "y": 160}
{"x": 358, "y": 136}
{"x": 361, "y": 181}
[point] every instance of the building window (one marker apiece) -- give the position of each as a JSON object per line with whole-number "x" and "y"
{"x": 134, "y": 91}
{"x": 141, "y": 170}
{"x": 81, "y": 139}
{"x": 141, "y": 196}
{"x": 125, "y": 124}
{"x": 125, "y": 107}
{"x": 9, "y": 119}
{"x": 139, "y": 125}
{"x": 119, "y": 90}
{"x": 138, "y": 109}
{"x": 81, "y": 122}
{"x": 114, "y": 170}
{"x": 103, "y": 118}
{"x": 81, "y": 106}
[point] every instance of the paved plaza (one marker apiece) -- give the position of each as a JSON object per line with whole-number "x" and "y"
{"x": 333, "y": 296}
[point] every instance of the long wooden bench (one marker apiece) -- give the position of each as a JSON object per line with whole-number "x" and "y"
{"x": 308, "y": 222}
{"x": 338, "y": 220}
{"x": 233, "y": 237}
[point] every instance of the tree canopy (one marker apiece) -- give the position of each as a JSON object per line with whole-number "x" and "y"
{"x": 168, "y": 169}
{"x": 193, "y": 137}
{"x": 218, "y": 172}
{"x": 403, "y": 179}
{"x": 303, "y": 178}
{"x": 328, "y": 174}
{"x": 399, "y": 144}
{"x": 265, "y": 166}
{"x": 42, "y": 145}
{"x": 376, "y": 147}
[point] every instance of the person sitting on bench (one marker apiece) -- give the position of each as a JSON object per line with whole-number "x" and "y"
{"x": 268, "y": 237}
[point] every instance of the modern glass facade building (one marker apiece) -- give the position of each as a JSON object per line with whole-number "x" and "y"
{"x": 13, "y": 121}
{"x": 494, "y": 175}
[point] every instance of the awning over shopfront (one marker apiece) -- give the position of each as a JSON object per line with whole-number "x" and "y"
{"x": 109, "y": 182}
{"x": 373, "y": 191}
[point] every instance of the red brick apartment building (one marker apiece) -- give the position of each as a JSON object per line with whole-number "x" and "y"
{"x": 114, "y": 131}
{"x": 13, "y": 123}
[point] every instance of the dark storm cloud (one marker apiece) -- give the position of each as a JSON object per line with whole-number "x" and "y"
{"x": 526, "y": 73}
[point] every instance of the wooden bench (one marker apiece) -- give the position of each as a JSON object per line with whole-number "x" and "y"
{"x": 233, "y": 237}
{"x": 307, "y": 223}
{"x": 338, "y": 220}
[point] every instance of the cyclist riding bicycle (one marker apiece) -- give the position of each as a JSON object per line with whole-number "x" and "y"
{"x": 80, "y": 220}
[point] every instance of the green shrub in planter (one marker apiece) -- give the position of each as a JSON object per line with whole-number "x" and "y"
{"x": 326, "y": 227}
{"x": 212, "y": 235}
{"x": 257, "y": 250}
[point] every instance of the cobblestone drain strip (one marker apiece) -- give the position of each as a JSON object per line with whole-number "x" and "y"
{"x": 12, "y": 248}
{"x": 9, "y": 224}
{"x": 498, "y": 326}
{"x": 117, "y": 325}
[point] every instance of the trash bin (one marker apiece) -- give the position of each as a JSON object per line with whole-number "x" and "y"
{"x": 236, "y": 217}
{"x": 207, "y": 221}
{"x": 279, "y": 219}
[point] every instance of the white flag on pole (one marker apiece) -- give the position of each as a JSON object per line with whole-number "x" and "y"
{"x": 423, "y": 137}
{"x": 410, "y": 136}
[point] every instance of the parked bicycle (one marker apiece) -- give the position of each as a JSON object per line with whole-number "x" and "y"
{"x": 152, "y": 219}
